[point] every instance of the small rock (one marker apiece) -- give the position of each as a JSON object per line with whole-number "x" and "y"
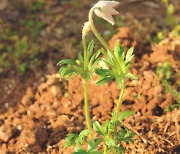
{"x": 5, "y": 133}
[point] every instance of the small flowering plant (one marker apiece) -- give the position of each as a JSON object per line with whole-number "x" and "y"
{"x": 112, "y": 133}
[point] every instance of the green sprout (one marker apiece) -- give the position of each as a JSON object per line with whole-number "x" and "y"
{"x": 165, "y": 74}
{"x": 170, "y": 19}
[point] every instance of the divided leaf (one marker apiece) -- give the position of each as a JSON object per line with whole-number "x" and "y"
{"x": 93, "y": 145}
{"x": 105, "y": 80}
{"x": 81, "y": 151}
{"x": 70, "y": 140}
{"x": 124, "y": 115}
{"x": 129, "y": 55}
{"x": 119, "y": 51}
{"x": 94, "y": 59}
{"x": 103, "y": 72}
{"x": 90, "y": 49}
{"x": 80, "y": 57}
{"x": 131, "y": 76}
{"x": 68, "y": 62}
{"x": 110, "y": 142}
{"x": 97, "y": 127}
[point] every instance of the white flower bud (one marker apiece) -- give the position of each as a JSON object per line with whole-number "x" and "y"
{"x": 86, "y": 28}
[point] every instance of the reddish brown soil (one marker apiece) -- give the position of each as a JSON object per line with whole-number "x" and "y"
{"x": 35, "y": 118}
{"x": 52, "y": 109}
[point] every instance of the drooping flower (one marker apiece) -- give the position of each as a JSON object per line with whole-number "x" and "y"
{"x": 105, "y": 10}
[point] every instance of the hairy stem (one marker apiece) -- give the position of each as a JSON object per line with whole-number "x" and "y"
{"x": 120, "y": 101}
{"x": 85, "y": 51}
{"x": 85, "y": 83}
{"x": 94, "y": 30}
{"x": 99, "y": 37}
{"x": 105, "y": 149}
{"x": 86, "y": 108}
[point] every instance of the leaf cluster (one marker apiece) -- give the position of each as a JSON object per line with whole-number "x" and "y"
{"x": 118, "y": 63}
{"x": 112, "y": 137}
{"x": 71, "y": 67}
{"x": 107, "y": 131}
{"x": 77, "y": 141}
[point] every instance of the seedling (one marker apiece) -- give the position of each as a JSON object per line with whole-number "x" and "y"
{"x": 170, "y": 19}
{"x": 112, "y": 133}
{"x": 164, "y": 72}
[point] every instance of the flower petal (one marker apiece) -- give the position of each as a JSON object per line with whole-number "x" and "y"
{"x": 105, "y": 10}
{"x": 102, "y": 4}
{"x": 105, "y": 15}
{"x": 111, "y": 11}
{"x": 108, "y": 17}
{"x": 111, "y": 3}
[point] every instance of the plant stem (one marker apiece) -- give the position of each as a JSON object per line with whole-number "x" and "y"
{"x": 120, "y": 101}
{"x": 86, "y": 108}
{"x": 105, "y": 149}
{"x": 85, "y": 80}
{"x": 94, "y": 30}
{"x": 99, "y": 37}
{"x": 85, "y": 51}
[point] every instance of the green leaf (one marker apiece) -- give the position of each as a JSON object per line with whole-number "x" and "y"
{"x": 131, "y": 76}
{"x": 129, "y": 55}
{"x": 108, "y": 63}
{"x": 105, "y": 80}
{"x": 121, "y": 149}
{"x": 94, "y": 58}
{"x": 66, "y": 71}
{"x": 71, "y": 136}
{"x": 80, "y": 57}
{"x": 103, "y": 72}
{"x": 124, "y": 115}
{"x": 93, "y": 145}
{"x": 70, "y": 140}
{"x": 122, "y": 52}
{"x": 68, "y": 61}
{"x": 80, "y": 151}
{"x": 121, "y": 133}
{"x": 62, "y": 70}
{"x": 105, "y": 127}
{"x": 111, "y": 58}
{"x": 69, "y": 72}
{"x": 98, "y": 141}
{"x": 79, "y": 140}
{"x": 97, "y": 127}
{"x": 90, "y": 49}
{"x": 110, "y": 142}
{"x": 117, "y": 49}
{"x": 85, "y": 132}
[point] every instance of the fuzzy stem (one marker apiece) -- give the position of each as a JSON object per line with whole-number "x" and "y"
{"x": 120, "y": 101}
{"x": 85, "y": 80}
{"x": 105, "y": 149}
{"x": 94, "y": 30}
{"x": 85, "y": 51}
{"x": 86, "y": 108}
{"x": 99, "y": 37}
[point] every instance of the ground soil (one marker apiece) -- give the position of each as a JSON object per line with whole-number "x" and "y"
{"x": 38, "y": 110}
